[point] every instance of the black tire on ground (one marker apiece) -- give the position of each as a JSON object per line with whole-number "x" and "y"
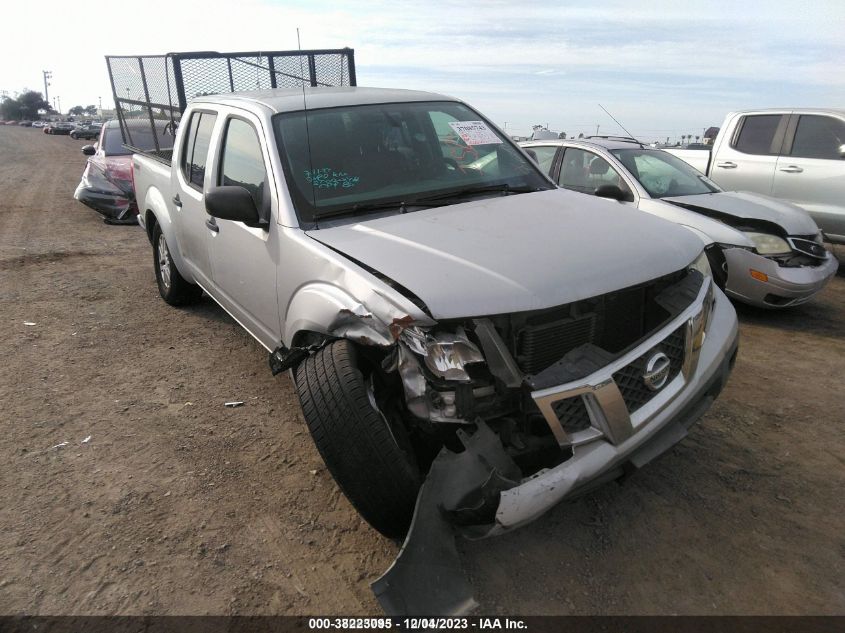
{"x": 376, "y": 475}
{"x": 172, "y": 287}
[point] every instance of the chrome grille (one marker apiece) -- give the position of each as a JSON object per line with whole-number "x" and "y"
{"x": 629, "y": 379}
{"x": 572, "y": 414}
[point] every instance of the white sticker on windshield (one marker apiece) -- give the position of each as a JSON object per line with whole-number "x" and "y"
{"x": 475, "y": 132}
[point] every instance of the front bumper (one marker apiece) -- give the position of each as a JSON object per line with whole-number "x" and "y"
{"x": 652, "y": 429}
{"x": 785, "y": 286}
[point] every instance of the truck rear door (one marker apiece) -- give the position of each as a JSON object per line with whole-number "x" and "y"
{"x": 746, "y": 160}
{"x": 188, "y": 177}
{"x": 811, "y": 170}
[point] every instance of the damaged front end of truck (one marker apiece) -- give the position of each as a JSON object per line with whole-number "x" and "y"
{"x": 497, "y": 408}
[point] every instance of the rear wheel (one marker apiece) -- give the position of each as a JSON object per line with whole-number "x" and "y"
{"x": 172, "y": 287}
{"x": 367, "y": 452}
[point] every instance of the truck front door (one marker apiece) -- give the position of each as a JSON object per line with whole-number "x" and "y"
{"x": 245, "y": 259}
{"x": 811, "y": 170}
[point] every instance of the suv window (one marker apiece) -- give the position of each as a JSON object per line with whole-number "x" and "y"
{"x": 198, "y": 140}
{"x": 818, "y": 137}
{"x": 585, "y": 172}
{"x": 545, "y": 156}
{"x": 242, "y": 163}
{"x": 757, "y": 133}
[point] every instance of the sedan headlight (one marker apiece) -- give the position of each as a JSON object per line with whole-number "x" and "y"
{"x": 767, "y": 244}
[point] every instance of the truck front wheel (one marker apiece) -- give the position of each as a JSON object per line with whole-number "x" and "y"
{"x": 367, "y": 452}
{"x": 172, "y": 287}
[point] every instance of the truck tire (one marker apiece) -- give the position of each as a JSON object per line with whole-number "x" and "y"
{"x": 172, "y": 287}
{"x": 361, "y": 451}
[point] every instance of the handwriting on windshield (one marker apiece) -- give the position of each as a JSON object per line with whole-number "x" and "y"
{"x": 327, "y": 178}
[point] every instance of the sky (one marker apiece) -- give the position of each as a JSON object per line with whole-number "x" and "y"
{"x": 662, "y": 68}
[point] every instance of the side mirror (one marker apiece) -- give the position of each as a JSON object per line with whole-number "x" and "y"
{"x": 89, "y": 150}
{"x": 613, "y": 192}
{"x": 232, "y": 202}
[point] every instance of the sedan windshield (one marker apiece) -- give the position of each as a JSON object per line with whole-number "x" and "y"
{"x": 393, "y": 157}
{"x": 663, "y": 175}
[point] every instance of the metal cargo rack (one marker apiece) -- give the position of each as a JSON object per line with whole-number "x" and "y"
{"x": 152, "y": 91}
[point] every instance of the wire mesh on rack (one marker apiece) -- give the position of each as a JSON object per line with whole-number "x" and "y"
{"x": 151, "y": 91}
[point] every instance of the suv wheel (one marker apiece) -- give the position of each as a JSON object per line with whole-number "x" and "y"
{"x": 172, "y": 287}
{"x": 367, "y": 452}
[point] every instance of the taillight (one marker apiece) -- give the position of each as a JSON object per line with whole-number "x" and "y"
{"x": 132, "y": 173}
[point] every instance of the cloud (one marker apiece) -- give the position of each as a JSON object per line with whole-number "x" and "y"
{"x": 663, "y": 64}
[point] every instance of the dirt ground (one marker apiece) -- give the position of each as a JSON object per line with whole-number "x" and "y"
{"x": 178, "y": 505}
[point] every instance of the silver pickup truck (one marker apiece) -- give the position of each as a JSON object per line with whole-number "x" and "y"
{"x": 435, "y": 294}
{"x": 795, "y": 154}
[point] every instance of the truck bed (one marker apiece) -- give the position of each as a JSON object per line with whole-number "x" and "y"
{"x": 698, "y": 158}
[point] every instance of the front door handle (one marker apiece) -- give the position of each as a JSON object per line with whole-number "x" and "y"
{"x": 792, "y": 169}
{"x": 177, "y": 201}
{"x": 726, "y": 164}
{"x": 212, "y": 225}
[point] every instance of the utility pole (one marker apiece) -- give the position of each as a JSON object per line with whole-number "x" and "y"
{"x": 597, "y": 129}
{"x": 100, "y": 112}
{"x": 47, "y": 76}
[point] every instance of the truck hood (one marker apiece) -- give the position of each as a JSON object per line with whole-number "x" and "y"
{"x": 750, "y": 206}
{"x": 515, "y": 253}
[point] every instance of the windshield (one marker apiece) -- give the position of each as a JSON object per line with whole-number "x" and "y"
{"x": 663, "y": 175}
{"x": 369, "y": 157}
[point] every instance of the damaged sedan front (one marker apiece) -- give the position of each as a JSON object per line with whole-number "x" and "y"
{"x": 764, "y": 252}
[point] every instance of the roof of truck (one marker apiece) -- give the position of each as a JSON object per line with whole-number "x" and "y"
{"x": 290, "y": 100}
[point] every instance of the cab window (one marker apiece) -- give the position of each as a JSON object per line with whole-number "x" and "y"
{"x": 818, "y": 137}
{"x": 242, "y": 162}
{"x": 545, "y": 156}
{"x": 757, "y": 134}
{"x": 195, "y": 152}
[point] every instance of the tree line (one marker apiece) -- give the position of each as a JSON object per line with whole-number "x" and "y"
{"x": 28, "y": 106}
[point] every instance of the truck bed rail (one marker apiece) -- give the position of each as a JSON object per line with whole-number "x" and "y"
{"x": 152, "y": 91}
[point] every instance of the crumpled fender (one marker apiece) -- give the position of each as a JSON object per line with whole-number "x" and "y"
{"x": 325, "y": 308}
{"x": 154, "y": 202}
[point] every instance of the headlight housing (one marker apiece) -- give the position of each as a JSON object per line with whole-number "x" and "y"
{"x": 767, "y": 244}
{"x": 702, "y": 265}
{"x": 445, "y": 353}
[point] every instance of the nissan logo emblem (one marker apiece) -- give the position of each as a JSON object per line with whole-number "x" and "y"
{"x": 656, "y": 371}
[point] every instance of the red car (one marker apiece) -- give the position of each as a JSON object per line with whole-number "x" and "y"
{"x": 106, "y": 184}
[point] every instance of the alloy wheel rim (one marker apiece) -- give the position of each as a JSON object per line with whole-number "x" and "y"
{"x": 164, "y": 262}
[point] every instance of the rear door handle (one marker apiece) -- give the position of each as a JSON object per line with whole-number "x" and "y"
{"x": 726, "y": 164}
{"x": 177, "y": 201}
{"x": 212, "y": 225}
{"x": 792, "y": 169}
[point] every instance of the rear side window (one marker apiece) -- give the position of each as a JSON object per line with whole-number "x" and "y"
{"x": 757, "y": 133}
{"x": 585, "y": 172}
{"x": 818, "y": 137}
{"x": 242, "y": 160}
{"x": 545, "y": 156}
{"x": 198, "y": 140}
{"x": 113, "y": 142}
